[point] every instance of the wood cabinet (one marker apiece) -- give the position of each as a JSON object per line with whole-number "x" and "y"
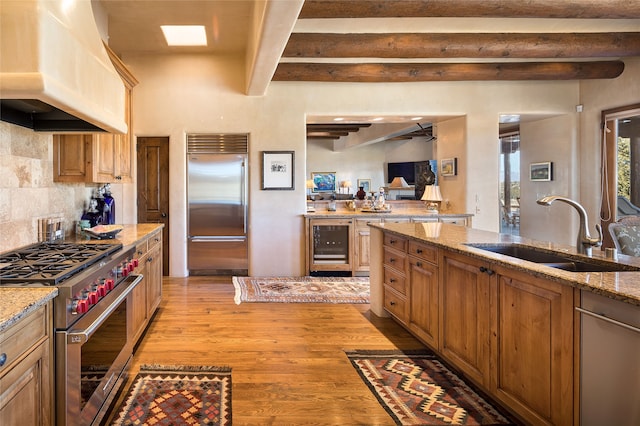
{"x": 465, "y": 315}
{"x": 424, "y": 292}
{"x": 362, "y": 243}
{"x": 509, "y": 332}
{"x": 396, "y": 285}
{"x": 26, "y": 372}
{"x": 147, "y": 295}
{"x": 532, "y": 347}
{"x": 97, "y": 157}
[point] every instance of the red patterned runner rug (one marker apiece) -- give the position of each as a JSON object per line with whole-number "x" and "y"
{"x": 415, "y": 388}
{"x": 302, "y": 289}
{"x": 177, "y": 395}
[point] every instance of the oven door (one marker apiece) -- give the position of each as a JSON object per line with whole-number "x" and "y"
{"x": 92, "y": 356}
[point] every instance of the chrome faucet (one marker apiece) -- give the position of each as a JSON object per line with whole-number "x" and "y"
{"x": 585, "y": 241}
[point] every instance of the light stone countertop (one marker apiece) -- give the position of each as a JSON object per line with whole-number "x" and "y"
{"x": 413, "y": 212}
{"x": 624, "y": 286}
{"x": 17, "y": 302}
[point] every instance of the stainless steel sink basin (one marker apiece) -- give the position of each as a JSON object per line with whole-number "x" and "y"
{"x": 554, "y": 260}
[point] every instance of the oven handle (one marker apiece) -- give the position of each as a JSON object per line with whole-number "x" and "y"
{"x": 85, "y": 334}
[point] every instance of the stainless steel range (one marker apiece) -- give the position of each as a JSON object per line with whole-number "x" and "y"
{"x": 92, "y": 344}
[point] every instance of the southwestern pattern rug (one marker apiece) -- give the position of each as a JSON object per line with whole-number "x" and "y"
{"x": 302, "y": 289}
{"x": 177, "y": 395}
{"x": 415, "y": 388}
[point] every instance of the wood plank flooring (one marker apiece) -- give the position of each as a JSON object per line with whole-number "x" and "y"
{"x": 288, "y": 361}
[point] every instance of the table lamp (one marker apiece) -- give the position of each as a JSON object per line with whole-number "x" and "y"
{"x": 432, "y": 196}
{"x": 398, "y": 182}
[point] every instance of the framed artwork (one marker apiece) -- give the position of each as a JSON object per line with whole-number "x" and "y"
{"x": 324, "y": 181}
{"x": 277, "y": 170}
{"x": 365, "y": 184}
{"x": 449, "y": 167}
{"x": 541, "y": 172}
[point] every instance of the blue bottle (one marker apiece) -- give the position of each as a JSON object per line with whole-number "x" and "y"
{"x": 109, "y": 209}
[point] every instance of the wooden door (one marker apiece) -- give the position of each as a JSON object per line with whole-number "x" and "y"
{"x": 153, "y": 187}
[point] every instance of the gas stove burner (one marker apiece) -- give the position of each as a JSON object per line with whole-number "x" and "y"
{"x": 51, "y": 263}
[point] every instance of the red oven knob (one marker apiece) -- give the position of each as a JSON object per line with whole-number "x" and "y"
{"x": 101, "y": 290}
{"x": 136, "y": 263}
{"x": 82, "y": 306}
{"x": 109, "y": 283}
{"x": 93, "y": 297}
{"x": 130, "y": 266}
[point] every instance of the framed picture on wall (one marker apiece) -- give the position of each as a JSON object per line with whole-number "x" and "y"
{"x": 541, "y": 172}
{"x": 365, "y": 184}
{"x": 277, "y": 170}
{"x": 449, "y": 167}
{"x": 324, "y": 181}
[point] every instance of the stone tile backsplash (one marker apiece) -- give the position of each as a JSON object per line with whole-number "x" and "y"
{"x": 27, "y": 190}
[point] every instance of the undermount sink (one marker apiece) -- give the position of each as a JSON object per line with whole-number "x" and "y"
{"x": 554, "y": 260}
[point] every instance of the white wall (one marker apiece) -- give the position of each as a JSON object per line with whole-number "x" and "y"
{"x": 192, "y": 93}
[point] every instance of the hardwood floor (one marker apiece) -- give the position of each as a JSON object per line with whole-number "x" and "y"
{"x": 288, "y": 361}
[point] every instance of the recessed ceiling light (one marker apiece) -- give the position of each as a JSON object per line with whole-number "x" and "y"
{"x": 184, "y": 35}
{"x": 378, "y": 119}
{"x": 416, "y": 118}
{"x": 338, "y": 119}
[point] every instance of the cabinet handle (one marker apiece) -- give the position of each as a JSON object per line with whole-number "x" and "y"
{"x": 3, "y": 359}
{"x": 419, "y": 251}
{"x": 419, "y": 264}
{"x": 487, "y": 270}
{"x": 392, "y": 241}
{"x": 150, "y": 259}
{"x": 392, "y": 303}
{"x": 391, "y": 260}
{"x": 392, "y": 280}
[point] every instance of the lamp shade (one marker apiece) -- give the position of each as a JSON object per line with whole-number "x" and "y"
{"x": 346, "y": 184}
{"x": 310, "y": 184}
{"x": 399, "y": 182}
{"x": 431, "y": 193}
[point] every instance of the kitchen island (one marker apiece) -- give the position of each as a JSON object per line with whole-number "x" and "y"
{"x": 513, "y": 327}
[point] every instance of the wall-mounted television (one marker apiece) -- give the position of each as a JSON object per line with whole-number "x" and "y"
{"x": 406, "y": 169}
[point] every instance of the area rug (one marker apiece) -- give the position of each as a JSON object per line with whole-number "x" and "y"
{"x": 177, "y": 395}
{"x": 415, "y": 388}
{"x": 302, "y": 289}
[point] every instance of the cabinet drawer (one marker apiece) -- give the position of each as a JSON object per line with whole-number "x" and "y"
{"x": 141, "y": 248}
{"x": 395, "y": 304}
{"x": 395, "y": 280}
{"x": 397, "y": 219}
{"x": 20, "y": 338}
{"x": 154, "y": 240}
{"x": 396, "y": 242}
{"x": 395, "y": 260}
{"x": 424, "y": 252}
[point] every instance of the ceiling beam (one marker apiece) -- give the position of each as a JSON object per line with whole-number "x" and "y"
{"x": 582, "y": 9}
{"x": 463, "y": 45}
{"x": 371, "y": 72}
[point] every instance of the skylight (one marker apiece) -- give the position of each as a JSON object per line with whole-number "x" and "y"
{"x": 184, "y": 35}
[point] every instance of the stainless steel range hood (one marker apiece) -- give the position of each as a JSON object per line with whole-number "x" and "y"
{"x": 55, "y": 74}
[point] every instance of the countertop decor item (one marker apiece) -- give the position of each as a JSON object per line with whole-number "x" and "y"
{"x": 103, "y": 232}
{"x": 432, "y": 196}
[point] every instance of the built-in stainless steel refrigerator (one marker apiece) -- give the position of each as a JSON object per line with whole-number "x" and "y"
{"x": 217, "y": 206}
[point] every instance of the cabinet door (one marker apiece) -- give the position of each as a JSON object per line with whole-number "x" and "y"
{"x": 70, "y": 158}
{"x": 423, "y": 300}
{"x": 362, "y": 246}
{"x": 104, "y": 158}
{"x": 154, "y": 279}
{"x": 137, "y": 305}
{"x": 24, "y": 390}
{"x": 534, "y": 348}
{"x": 465, "y": 316}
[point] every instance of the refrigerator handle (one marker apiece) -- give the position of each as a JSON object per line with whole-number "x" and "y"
{"x": 244, "y": 195}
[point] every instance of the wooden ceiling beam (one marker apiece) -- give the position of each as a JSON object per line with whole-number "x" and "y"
{"x": 376, "y": 72}
{"x": 463, "y": 45}
{"x": 567, "y": 9}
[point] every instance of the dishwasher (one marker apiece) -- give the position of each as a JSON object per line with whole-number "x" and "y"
{"x": 609, "y": 361}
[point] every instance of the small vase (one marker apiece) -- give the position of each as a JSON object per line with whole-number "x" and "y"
{"x": 361, "y": 194}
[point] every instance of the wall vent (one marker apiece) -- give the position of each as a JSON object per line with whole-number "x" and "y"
{"x": 218, "y": 143}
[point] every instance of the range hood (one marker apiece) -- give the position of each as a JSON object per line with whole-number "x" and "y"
{"x": 55, "y": 73}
